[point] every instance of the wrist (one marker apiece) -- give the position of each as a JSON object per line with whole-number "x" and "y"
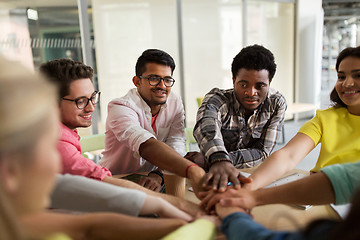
{"x": 195, "y": 173}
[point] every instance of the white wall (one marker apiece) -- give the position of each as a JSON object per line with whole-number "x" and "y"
{"x": 123, "y": 29}
{"x": 308, "y": 51}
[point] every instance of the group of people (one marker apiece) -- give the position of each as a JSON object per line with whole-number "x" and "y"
{"x": 42, "y": 165}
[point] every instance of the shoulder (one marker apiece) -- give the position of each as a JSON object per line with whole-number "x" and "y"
{"x": 66, "y": 134}
{"x": 275, "y": 96}
{"x": 219, "y": 96}
{"x": 275, "y": 101}
{"x": 131, "y": 100}
{"x": 332, "y": 112}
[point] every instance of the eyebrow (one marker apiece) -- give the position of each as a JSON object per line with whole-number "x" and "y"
{"x": 355, "y": 70}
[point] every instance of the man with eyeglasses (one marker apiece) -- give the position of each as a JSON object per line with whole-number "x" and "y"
{"x": 145, "y": 128}
{"x": 77, "y": 102}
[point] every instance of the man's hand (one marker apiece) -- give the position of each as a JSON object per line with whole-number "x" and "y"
{"x": 220, "y": 174}
{"x": 152, "y": 182}
{"x": 196, "y": 157}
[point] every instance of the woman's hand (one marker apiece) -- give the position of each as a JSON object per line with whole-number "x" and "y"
{"x": 161, "y": 207}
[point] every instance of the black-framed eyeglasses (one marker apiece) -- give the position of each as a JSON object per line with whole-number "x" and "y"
{"x": 155, "y": 80}
{"x": 82, "y": 102}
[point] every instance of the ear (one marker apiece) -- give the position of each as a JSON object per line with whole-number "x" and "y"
{"x": 10, "y": 174}
{"x": 233, "y": 81}
{"x": 136, "y": 81}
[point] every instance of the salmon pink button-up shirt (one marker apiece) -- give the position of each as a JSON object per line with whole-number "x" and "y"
{"x": 73, "y": 162}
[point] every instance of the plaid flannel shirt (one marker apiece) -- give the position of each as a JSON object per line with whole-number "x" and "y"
{"x": 223, "y": 134}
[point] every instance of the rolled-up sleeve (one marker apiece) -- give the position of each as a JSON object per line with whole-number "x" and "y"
{"x": 75, "y": 163}
{"x": 76, "y": 193}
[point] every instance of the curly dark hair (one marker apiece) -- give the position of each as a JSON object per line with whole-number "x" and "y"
{"x": 63, "y": 72}
{"x": 347, "y": 52}
{"x": 254, "y": 57}
{"x": 153, "y": 56}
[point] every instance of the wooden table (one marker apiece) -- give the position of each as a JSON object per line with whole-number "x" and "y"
{"x": 281, "y": 216}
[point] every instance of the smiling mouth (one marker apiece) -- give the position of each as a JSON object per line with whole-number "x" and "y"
{"x": 160, "y": 92}
{"x": 86, "y": 117}
{"x": 349, "y": 93}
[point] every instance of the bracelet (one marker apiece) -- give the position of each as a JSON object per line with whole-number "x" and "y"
{"x": 187, "y": 169}
{"x": 159, "y": 173}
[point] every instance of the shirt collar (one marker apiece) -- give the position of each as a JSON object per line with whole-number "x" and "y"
{"x": 146, "y": 107}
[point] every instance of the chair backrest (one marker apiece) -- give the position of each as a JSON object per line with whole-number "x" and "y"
{"x": 189, "y": 137}
{"x": 92, "y": 142}
{"x": 199, "y": 100}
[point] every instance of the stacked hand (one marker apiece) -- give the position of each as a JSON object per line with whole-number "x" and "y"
{"x": 220, "y": 174}
{"x": 232, "y": 197}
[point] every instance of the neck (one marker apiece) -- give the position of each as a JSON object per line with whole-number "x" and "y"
{"x": 354, "y": 110}
{"x": 155, "y": 109}
{"x": 70, "y": 127}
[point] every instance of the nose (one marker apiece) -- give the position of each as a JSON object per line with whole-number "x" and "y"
{"x": 251, "y": 91}
{"x": 90, "y": 107}
{"x": 349, "y": 81}
{"x": 161, "y": 84}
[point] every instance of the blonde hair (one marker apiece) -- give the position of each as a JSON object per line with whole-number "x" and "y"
{"x": 25, "y": 103}
{"x": 25, "y": 100}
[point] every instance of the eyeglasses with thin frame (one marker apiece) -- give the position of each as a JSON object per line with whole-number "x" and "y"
{"x": 82, "y": 102}
{"x": 155, "y": 80}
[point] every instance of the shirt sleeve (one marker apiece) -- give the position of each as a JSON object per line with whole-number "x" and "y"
{"x": 313, "y": 129}
{"x": 200, "y": 229}
{"x": 261, "y": 149}
{"x": 345, "y": 179}
{"x": 241, "y": 226}
{"x": 76, "y": 193}
{"x": 75, "y": 163}
{"x": 176, "y": 138}
{"x": 124, "y": 123}
{"x": 207, "y": 130}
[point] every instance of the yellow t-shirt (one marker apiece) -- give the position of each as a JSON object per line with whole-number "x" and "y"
{"x": 338, "y": 131}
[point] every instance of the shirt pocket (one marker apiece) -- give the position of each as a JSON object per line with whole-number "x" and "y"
{"x": 162, "y": 133}
{"x": 230, "y": 138}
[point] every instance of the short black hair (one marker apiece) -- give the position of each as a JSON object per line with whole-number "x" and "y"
{"x": 347, "y": 52}
{"x": 63, "y": 72}
{"x": 153, "y": 56}
{"x": 254, "y": 57}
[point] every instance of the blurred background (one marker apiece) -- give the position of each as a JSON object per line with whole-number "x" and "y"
{"x": 203, "y": 36}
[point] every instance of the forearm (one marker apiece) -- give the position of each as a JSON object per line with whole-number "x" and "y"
{"x": 315, "y": 190}
{"x": 245, "y": 158}
{"x": 98, "y": 226}
{"x": 112, "y": 226}
{"x": 270, "y": 170}
{"x": 281, "y": 161}
{"x": 163, "y": 156}
{"x": 77, "y": 193}
{"x": 182, "y": 204}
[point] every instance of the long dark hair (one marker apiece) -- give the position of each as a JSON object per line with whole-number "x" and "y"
{"x": 347, "y": 52}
